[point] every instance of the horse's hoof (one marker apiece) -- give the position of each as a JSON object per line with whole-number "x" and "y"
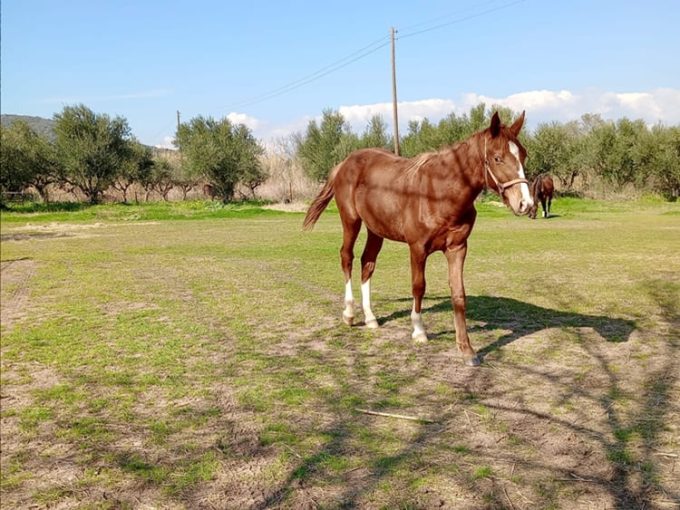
{"x": 420, "y": 338}
{"x": 347, "y": 319}
{"x": 473, "y": 361}
{"x": 372, "y": 324}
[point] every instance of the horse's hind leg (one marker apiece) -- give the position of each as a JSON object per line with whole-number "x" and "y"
{"x": 368, "y": 258}
{"x": 545, "y": 209}
{"x": 350, "y": 231}
{"x": 549, "y": 206}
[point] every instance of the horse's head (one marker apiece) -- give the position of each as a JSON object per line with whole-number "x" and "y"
{"x": 533, "y": 210}
{"x": 534, "y": 189}
{"x": 504, "y": 159}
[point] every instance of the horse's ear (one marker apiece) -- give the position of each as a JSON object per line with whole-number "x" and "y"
{"x": 495, "y": 125}
{"x": 517, "y": 125}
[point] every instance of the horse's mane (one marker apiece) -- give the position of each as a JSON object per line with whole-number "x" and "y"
{"x": 416, "y": 163}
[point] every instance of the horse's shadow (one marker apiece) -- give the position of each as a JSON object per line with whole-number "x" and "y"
{"x": 489, "y": 313}
{"x": 552, "y": 216}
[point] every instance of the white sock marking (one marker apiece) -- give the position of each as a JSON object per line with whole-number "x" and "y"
{"x": 366, "y": 301}
{"x": 417, "y": 322}
{"x": 349, "y": 300}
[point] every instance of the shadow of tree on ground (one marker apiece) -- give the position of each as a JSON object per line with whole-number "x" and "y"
{"x": 621, "y": 435}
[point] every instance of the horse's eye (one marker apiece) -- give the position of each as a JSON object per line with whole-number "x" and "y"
{"x": 498, "y": 159}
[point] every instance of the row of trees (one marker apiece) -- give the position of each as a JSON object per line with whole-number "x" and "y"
{"x": 622, "y": 152}
{"x": 89, "y": 153}
{"x": 92, "y": 153}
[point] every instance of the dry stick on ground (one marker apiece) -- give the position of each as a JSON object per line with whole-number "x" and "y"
{"x": 399, "y": 416}
{"x": 576, "y": 479}
{"x": 468, "y": 418}
{"x": 508, "y": 498}
{"x": 674, "y": 455}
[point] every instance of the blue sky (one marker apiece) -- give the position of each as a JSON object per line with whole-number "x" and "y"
{"x": 145, "y": 60}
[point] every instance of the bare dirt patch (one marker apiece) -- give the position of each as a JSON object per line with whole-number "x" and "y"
{"x": 15, "y": 276}
{"x": 288, "y": 207}
{"x": 62, "y": 230}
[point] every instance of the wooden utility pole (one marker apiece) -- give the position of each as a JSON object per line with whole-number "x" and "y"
{"x": 178, "y": 121}
{"x": 395, "y": 118}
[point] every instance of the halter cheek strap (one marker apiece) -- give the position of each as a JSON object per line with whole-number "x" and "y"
{"x": 500, "y": 186}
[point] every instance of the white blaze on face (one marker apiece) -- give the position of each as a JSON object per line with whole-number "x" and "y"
{"x": 526, "y": 196}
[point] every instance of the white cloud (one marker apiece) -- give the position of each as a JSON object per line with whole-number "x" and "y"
{"x": 246, "y": 120}
{"x": 166, "y": 143}
{"x": 659, "y": 105}
{"x": 359, "y": 115}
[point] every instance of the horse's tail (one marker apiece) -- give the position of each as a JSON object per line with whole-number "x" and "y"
{"x": 321, "y": 201}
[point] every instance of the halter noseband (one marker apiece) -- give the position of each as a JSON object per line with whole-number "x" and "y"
{"x": 501, "y": 186}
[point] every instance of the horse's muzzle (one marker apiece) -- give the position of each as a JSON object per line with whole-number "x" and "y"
{"x": 525, "y": 206}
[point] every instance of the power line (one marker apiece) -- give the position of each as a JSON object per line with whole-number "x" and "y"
{"x": 439, "y": 19}
{"x": 320, "y": 73}
{"x": 460, "y": 20}
{"x": 362, "y": 53}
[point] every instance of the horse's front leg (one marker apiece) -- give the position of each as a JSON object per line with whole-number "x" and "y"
{"x": 418, "y": 258}
{"x": 455, "y": 255}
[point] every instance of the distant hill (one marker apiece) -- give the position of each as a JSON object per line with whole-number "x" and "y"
{"x": 41, "y": 126}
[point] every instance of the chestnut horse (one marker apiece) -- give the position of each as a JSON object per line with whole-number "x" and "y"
{"x": 542, "y": 189}
{"x": 426, "y": 202}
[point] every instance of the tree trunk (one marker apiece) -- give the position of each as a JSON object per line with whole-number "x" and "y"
{"x": 43, "y": 192}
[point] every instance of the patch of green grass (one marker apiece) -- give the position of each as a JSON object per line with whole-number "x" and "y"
{"x": 64, "y": 394}
{"x": 136, "y": 465}
{"x": 151, "y": 211}
{"x": 200, "y": 470}
{"x": 461, "y": 449}
{"x": 319, "y": 462}
{"x": 160, "y": 431}
{"x": 12, "y": 474}
{"x": 278, "y": 433}
{"x": 482, "y": 472}
{"x": 51, "y": 495}
{"x": 621, "y": 456}
{"x": 86, "y": 430}
{"x": 31, "y": 417}
{"x": 293, "y": 395}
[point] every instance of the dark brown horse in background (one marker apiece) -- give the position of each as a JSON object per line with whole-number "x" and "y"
{"x": 426, "y": 202}
{"x": 542, "y": 190}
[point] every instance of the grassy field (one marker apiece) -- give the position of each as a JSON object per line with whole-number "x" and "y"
{"x": 190, "y": 355}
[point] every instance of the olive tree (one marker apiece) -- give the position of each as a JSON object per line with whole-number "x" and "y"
{"x": 134, "y": 170}
{"x": 325, "y": 144}
{"x": 223, "y": 153}
{"x": 28, "y": 159}
{"x": 664, "y": 161}
{"x": 556, "y": 148}
{"x": 92, "y": 148}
